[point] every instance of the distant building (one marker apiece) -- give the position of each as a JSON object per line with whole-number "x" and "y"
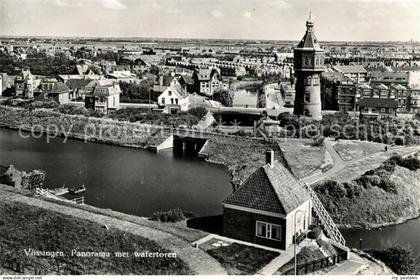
{"x": 356, "y": 73}
{"x": 175, "y": 98}
{"x": 80, "y": 87}
{"x": 207, "y": 80}
{"x": 105, "y": 98}
{"x": 264, "y": 208}
{"x": 6, "y": 85}
{"x": 52, "y": 91}
{"x": 82, "y": 70}
{"x": 308, "y": 65}
{"x": 25, "y": 83}
{"x": 377, "y": 108}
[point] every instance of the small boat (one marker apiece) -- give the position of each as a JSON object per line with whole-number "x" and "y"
{"x": 77, "y": 190}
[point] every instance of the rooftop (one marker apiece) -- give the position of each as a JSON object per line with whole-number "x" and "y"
{"x": 378, "y": 102}
{"x": 270, "y": 188}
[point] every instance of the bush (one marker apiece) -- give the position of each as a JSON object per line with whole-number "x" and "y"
{"x": 71, "y": 109}
{"x": 171, "y": 216}
{"x": 318, "y": 141}
{"x": 199, "y": 112}
{"x": 399, "y": 258}
{"x": 387, "y": 185}
{"x": 331, "y": 188}
{"x": 223, "y": 96}
{"x": 315, "y": 233}
{"x": 42, "y": 104}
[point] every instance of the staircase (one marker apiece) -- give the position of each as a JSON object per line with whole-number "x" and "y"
{"x": 329, "y": 226}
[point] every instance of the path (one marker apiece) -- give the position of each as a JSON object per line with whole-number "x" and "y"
{"x": 356, "y": 265}
{"x": 274, "y": 103}
{"x": 284, "y": 258}
{"x": 340, "y": 164}
{"x": 197, "y": 260}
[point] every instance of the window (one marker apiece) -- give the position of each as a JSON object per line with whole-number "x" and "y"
{"x": 308, "y": 80}
{"x": 172, "y": 101}
{"x": 163, "y": 100}
{"x": 391, "y": 110}
{"x": 269, "y": 231}
{"x": 307, "y": 96}
{"x": 176, "y": 101}
{"x": 169, "y": 92}
{"x": 382, "y": 110}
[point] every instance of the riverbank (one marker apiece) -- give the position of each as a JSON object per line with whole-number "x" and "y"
{"x": 240, "y": 155}
{"x": 387, "y": 195}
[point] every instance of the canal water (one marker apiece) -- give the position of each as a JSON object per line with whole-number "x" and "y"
{"x": 405, "y": 234}
{"x": 245, "y": 98}
{"x": 127, "y": 180}
{"x": 140, "y": 183}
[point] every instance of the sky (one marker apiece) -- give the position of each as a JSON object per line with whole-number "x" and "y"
{"x": 335, "y": 20}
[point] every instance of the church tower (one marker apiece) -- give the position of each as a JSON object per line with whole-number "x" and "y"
{"x": 308, "y": 65}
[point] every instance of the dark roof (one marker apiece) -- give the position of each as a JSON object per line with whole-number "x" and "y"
{"x": 378, "y": 102}
{"x": 274, "y": 189}
{"x": 59, "y": 87}
{"x": 77, "y": 83}
{"x": 309, "y": 40}
{"x": 390, "y": 76}
{"x": 188, "y": 79}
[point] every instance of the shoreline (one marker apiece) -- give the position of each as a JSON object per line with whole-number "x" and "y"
{"x": 148, "y": 147}
{"x": 378, "y": 226}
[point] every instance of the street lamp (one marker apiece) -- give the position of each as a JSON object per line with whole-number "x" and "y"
{"x": 294, "y": 243}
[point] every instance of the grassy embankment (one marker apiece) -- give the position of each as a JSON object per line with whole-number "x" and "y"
{"x": 242, "y": 156}
{"x": 99, "y": 130}
{"x": 239, "y": 154}
{"x": 24, "y": 227}
{"x": 238, "y": 259}
{"x": 389, "y": 194}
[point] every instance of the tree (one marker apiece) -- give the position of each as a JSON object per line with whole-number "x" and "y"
{"x": 223, "y": 96}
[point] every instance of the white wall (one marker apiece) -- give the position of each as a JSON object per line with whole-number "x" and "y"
{"x": 306, "y": 208}
{"x": 414, "y": 79}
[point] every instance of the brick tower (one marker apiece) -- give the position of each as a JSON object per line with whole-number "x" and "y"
{"x": 308, "y": 65}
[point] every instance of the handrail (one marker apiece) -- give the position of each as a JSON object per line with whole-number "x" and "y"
{"x": 331, "y": 229}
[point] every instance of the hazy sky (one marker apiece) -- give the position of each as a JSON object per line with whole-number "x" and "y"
{"x": 247, "y": 19}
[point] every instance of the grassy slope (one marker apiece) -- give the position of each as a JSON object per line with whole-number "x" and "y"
{"x": 241, "y": 259}
{"x": 240, "y": 155}
{"x": 302, "y": 157}
{"x": 376, "y": 207}
{"x": 22, "y": 228}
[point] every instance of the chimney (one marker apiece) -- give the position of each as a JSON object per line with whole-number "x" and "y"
{"x": 269, "y": 157}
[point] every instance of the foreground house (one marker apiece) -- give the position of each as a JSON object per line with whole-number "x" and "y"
{"x": 264, "y": 208}
{"x": 105, "y": 98}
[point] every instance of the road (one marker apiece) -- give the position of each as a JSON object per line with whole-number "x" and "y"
{"x": 366, "y": 161}
{"x": 274, "y": 101}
